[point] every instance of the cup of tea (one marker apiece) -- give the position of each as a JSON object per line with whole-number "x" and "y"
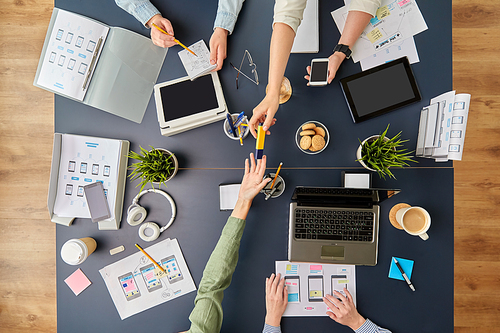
{"x": 75, "y": 251}
{"x": 415, "y": 221}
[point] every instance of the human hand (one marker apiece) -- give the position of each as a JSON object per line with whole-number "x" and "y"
{"x": 276, "y": 299}
{"x": 218, "y": 47}
{"x": 158, "y": 37}
{"x": 343, "y": 311}
{"x": 264, "y": 113}
{"x": 253, "y": 181}
{"x": 333, "y": 65}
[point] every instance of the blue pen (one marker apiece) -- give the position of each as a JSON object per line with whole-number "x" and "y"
{"x": 239, "y": 121}
{"x": 231, "y": 126}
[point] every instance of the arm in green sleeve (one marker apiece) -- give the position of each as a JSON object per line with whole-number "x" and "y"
{"x": 207, "y": 313}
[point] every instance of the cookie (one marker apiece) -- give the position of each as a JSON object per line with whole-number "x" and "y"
{"x": 320, "y": 131}
{"x": 308, "y": 126}
{"x": 318, "y": 142}
{"x": 312, "y": 149}
{"x": 307, "y": 132}
{"x": 305, "y": 142}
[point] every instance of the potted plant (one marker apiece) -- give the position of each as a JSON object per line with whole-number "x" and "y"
{"x": 156, "y": 166}
{"x": 379, "y": 153}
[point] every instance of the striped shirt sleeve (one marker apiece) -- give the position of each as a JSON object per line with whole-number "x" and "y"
{"x": 370, "y": 327}
{"x": 271, "y": 329}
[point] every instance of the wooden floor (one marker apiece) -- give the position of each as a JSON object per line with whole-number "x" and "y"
{"x": 27, "y": 237}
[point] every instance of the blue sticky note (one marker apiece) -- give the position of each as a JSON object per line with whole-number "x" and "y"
{"x": 293, "y": 297}
{"x": 407, "y": 266}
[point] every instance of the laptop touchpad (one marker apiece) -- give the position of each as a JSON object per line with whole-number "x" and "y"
{"x": 331, "y": 252}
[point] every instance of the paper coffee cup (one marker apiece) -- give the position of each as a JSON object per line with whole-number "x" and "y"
{"x": 75, "y": 251}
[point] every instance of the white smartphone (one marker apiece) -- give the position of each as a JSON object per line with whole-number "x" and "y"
{"x": 319, "y": 72}
{"x": 97, "y": 202}
{"x": 129, "y": 286}
{"x": 316, "y": 292}
{"x": 173, "y": 271}
{"x": 292, "y": 283}
{"x": 149, "y": 276}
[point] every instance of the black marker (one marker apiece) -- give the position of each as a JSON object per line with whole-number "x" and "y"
{"x": 404, "y": 275}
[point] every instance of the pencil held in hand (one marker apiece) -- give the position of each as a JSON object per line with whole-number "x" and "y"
{"x": 175, "y": 40}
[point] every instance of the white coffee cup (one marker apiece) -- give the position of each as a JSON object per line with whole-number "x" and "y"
{"x": 75, "y": 251}
{"x": 415, "y": 221}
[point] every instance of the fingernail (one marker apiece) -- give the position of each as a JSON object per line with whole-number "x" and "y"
{"x": 212, "y": 61}
{"x": 265, "y": 128}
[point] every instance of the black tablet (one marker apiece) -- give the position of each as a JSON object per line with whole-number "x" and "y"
{"x": 380, "y": 89}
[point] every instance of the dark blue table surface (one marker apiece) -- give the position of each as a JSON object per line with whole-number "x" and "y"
{"x": 207, "y": 156}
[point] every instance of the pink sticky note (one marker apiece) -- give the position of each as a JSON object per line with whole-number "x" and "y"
{"x": 78, "y": 281}
{"x": 316, "y": 267}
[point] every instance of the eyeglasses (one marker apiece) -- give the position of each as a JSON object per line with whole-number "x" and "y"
{"x": 251, "y": 64}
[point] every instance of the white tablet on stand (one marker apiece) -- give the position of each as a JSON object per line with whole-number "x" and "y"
{"x": 182, "y": 104}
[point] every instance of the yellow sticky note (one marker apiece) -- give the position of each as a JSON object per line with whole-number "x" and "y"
{"x": 289, "y": 267}
{"x": 383, "y": 12}
{"x": 159, "y": 273}
{"x": 374, "y": 35}
{"x": 315, "y": 293}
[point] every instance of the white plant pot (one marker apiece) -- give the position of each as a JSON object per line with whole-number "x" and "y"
{"x": 358, "y": 152}
{"x": 176, "y": 163}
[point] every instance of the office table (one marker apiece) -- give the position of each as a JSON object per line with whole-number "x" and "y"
{"x": 207, "y": 158}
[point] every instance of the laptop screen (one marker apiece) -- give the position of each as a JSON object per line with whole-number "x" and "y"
{"x": 341, "y": 196}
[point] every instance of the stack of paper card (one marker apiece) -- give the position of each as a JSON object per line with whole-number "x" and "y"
{"x": 441, "y": 132}
{"x": 391, "y": 30}
{"x": 199, "y": 64}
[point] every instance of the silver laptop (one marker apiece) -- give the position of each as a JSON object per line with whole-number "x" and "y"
{"x": 335, "y": 225}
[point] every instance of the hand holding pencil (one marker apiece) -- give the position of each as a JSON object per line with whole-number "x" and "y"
{"x": 159, "y": 38}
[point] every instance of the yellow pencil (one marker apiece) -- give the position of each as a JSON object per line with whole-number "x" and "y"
{"x": 175, "y": 40}
{"x": 149, "y": 257}
{"x": 276, "y": 176}
{"x": 239, "y": 134}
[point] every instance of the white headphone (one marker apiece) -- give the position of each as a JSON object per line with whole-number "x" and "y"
{"x": 136, "y": 215}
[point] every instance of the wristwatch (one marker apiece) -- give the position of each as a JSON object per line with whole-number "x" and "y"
{"x": 344, "y": 49}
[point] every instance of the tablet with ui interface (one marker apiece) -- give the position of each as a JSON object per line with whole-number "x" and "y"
{"x": 182, "y": 104}
{"x": 380, "y": 89}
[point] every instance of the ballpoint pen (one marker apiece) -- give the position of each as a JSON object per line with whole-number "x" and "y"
{"x": 92, "y": 63}
{"x": 231, "y": 126}
{"x": 270, "y": 194}
{"x": 175, "y": 40}
{"x": 404, "y": 274}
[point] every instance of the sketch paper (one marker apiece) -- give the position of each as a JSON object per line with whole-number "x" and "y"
{"x": 198, "y": 65}
{"x": 307, "y": 283}
{"x": 395, "y": 21}
{"x": 67, "y": 61}
{"x": 406, "y": 47}
{"x": 160, "y": 290}
{"x": 85, "y": 160}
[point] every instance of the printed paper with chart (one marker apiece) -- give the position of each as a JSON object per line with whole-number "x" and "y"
{"x": 85, "y": 160}
{"x": 135, "y": 286}
{"x": 394, "y": 22}
{"x": 199, "y": 64}
{"x": 308, "y": 283}
{"x": 73, "y": 42}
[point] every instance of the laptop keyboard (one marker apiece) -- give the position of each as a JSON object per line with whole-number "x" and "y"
{"x": 345, "y": 225}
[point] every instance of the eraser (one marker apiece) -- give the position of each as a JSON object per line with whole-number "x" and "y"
{"x": 117, "y": 250}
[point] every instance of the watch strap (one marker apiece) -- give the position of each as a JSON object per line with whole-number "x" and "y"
{"x": 344, "y": 49}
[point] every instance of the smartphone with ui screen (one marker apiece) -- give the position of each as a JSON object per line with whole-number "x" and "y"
{"x": 149, "y": 276}
{"x": 97, "y": 202}
{"x": 339, "y": 282}
{"x": 292, "y": 284}
{"x": 173, "y": 270}
{"x": 319, "y": 72}
{"x": 315, "y": 286}
{"x": 129, "y": 286}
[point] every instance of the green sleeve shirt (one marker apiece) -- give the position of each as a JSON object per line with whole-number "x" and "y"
{"x": 206, "y": 316}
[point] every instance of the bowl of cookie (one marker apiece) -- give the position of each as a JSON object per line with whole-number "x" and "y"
{"x": 312, "y": 137}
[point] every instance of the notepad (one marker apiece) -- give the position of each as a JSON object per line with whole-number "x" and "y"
{"x": 406, "y": 265}
{"x": 307, "y": 37}
{"x": 228, "y": 195}
{"x": 78, "y": 282}
{"x": 198, "y": 65}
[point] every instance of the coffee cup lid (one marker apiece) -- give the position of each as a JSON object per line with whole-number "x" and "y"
{"x": 72, "y": 252}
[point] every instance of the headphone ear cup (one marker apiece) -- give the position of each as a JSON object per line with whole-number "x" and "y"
{"x": 151, "y": 228}
{"x": 136, "y": 215}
